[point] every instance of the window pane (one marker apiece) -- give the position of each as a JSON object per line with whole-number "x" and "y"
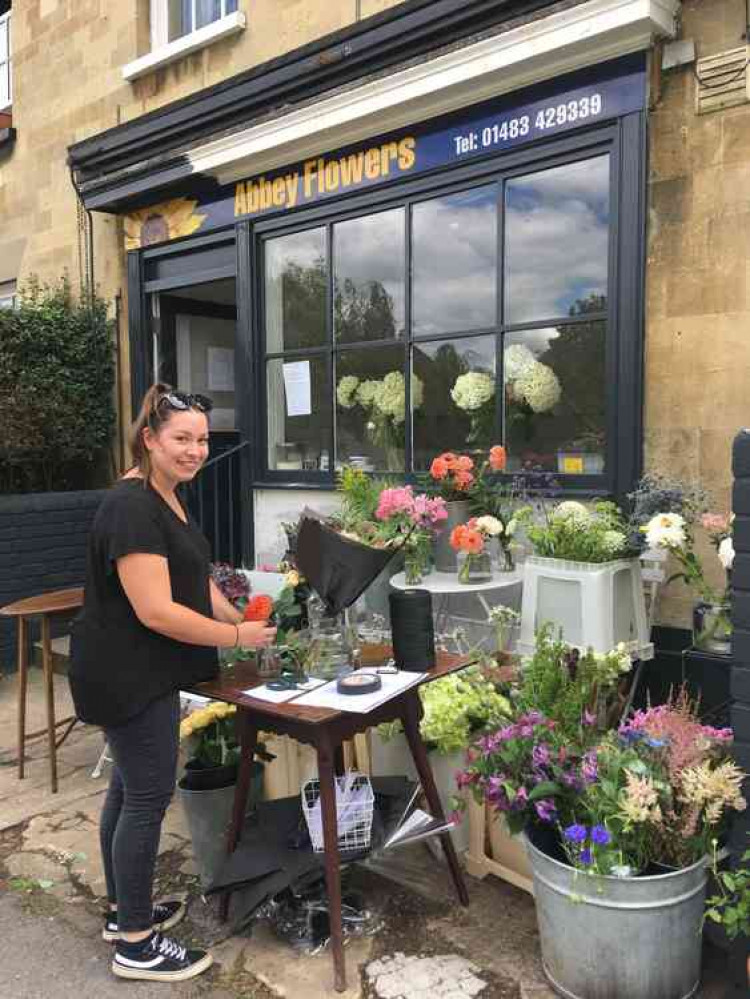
{"x": 556, "y": 239}
{"x": 207, "y": 11}
{"x": 371, "y": 408}
{"x": 368, "y": 274}
{"x": 180, "y": 18}
{"x": 454, "y": 262}
{"x": 457, "y": 407}
{"x": 555, "y": 398}
{"x": 231, "y": 6}
{"x": 296, "y": 291}
{"x": 299, "y": 414}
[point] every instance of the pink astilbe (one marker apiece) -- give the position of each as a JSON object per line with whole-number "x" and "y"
{"x": 421, "y": 510}
{"x": 395, "y": 501}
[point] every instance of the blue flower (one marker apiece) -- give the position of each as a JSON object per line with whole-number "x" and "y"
{"x": 586, "y": 857}
{"x": 656, "y": 743}
{"x": 600, "y": 836}
{"x": 575, "y": 833}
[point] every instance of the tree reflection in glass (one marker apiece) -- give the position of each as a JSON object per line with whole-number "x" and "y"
{"x": 368, "y": 278}
{"x": 458, "y": 412}
{"x": 371, "y": 409}
{"x": 295, "y": 291}
{"x": 555, "y": 394}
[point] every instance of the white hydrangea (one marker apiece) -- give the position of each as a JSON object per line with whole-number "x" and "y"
{"x": 366, "y": 392}
{"x": 539, "y": 386}
{"x": 573, "y": 511}
{"x": 517, "y": 359}
{"x": 665, "y": 530}
{"x": 391, "y": 398}
{"x": 490, "y": 526}
{"x": 472, "y": 390}
{"x": 726, "y": 553}
{"x": 346, "y": 391}
{"x": 614, "y": 542}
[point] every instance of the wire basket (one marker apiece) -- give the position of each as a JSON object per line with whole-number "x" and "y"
{"x": 355, "y": 803}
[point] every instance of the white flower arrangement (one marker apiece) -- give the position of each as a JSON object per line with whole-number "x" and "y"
{"x": 517, "y": 359}
{"x": 387, "y": 396}
{"x": 472, "y": 390}
{"x": 345, "y": 391}
{"x": 539, "y": 387}
{"x": 666, "y": 530}
{"x": 573, "y": 511}
{"x": 489, "y": 526}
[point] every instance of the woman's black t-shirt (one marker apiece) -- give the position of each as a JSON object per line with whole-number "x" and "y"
{"x": 118, "y": 666}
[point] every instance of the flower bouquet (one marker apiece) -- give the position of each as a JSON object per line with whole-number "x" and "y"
{"x": 474, "y": 393}
{"x": 499, "y": 499}
{"x": 452, "y": 475}
{"x": 413, "y": 520}
{"x": 383, "y": 402}
{"x": 531, "y": 388}
{"x": 576, "y": 533}
{"x": 471, "y": 539}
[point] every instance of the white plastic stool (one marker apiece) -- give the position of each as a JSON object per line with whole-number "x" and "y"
{"x": 595, "y": 605}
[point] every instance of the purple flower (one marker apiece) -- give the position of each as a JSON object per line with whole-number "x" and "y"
{"x": 540, "y": 756}
{"x": 570, "y": 780}
{"x": 589, "y": 768}
{"x": 575, "y": 833}
{"x": 545, "y": 809}
{"x": 526, "y": 731}
{"x": 521, "y": 799}
{"x": 589, "y": 718}
{"x": 496, "y": 795}
{"x": 600, "y": 836}
{"x": 533, "y": 717}
{"x": 586, "y": 857}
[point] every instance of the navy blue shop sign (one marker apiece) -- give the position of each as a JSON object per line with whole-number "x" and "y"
{"x": 586, "y": 98}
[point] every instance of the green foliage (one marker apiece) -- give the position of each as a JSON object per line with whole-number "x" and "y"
{"x": 57, "y": 374}
{"x": 573, "y": 532}
{"x": 731, "y": 907}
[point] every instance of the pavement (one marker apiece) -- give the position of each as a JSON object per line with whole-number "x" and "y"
{"x": 418, "y": 943}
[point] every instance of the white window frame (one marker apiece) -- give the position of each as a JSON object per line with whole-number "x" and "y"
{"x": 6, "y": 65}
{"x": 164, "y": 52}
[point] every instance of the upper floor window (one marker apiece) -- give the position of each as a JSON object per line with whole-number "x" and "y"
{"x": 6, "y": 92}
{"x": 186, "y": 16}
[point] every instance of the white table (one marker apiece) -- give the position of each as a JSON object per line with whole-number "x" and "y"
{"x": 444, "y": 585}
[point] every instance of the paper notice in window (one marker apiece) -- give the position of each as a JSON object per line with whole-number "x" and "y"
{"x": 297, "y": 388}
{"x": 572, "y": 465}
{"x": 220, "y": 369}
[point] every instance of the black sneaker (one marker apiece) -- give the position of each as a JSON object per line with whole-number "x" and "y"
{"x": 166, "y": 915}
{"x": 159, "y": 959}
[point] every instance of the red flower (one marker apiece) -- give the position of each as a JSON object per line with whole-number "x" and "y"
{"x": 498, "y": 458}
{"x": 259, "y": 608}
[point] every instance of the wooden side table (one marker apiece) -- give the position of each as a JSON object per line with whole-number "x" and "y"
{"x": 45, "y": 606}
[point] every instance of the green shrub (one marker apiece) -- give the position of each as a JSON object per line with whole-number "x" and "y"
{"x": 57, "y": 372}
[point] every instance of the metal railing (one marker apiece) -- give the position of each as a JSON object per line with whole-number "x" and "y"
{"x": 214, "y": 500}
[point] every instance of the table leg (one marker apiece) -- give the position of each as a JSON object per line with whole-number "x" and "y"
{"x": 247, "y": 734}
{"x": 331, "y": 846}
{"x": 49, "y": 688}
{"x": 22, "y": 683}
{"x": 410, "y": 717}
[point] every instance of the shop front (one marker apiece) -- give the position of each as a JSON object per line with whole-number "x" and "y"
{"x": 465, "y": 279}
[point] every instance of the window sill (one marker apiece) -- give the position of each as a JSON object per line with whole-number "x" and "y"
{"x": 232, "y": 24}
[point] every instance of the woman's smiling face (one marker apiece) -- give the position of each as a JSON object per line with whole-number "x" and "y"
{"x": 180, "y": 447}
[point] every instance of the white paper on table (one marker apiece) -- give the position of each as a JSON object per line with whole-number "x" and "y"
{"x": 329, "y": 697}
{"x": 220, "y": 369}
{"x": 297, "y": 388}
{"x": 281, "y": 696}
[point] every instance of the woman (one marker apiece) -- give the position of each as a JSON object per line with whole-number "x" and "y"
{"x": 152, "y": 620}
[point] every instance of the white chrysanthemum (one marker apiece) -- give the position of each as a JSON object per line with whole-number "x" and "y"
{"x": 366, "y": 392}
{"x": 391, "y": 399}
{"x": 614, "y": 542}
{"x": 540, "y": 387}
{"x": 489, "y": 525}
{"x": 665, "y": 530}
{"x": 517, "y": 359}
{"x": 573, "y": 511}
{"x": 346, "y": 391}
{"x": 726, "y": 553}
{"x": 472, "y": 390}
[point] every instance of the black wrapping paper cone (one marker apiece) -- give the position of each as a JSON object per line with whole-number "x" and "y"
{"x": 339, "y": 569}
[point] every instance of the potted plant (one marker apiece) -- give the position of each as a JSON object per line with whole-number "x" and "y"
{"x": 584, "y": 577}
{"x": 618, "y": 821}
{"x": 730, "y": 908}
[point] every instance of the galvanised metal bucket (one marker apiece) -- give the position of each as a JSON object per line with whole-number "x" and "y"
{"x": 619, "y": 938}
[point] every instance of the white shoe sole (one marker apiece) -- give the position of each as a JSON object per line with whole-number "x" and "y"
{"x": 145, "y": 975}
{"x": 112, "y": 936}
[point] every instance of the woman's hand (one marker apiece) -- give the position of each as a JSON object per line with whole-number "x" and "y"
{"x": 254, "y": 634}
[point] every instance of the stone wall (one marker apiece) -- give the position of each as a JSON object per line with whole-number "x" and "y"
{"x": 697, "y": 371}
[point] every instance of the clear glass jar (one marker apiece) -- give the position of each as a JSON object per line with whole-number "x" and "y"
{"x": 413, "y": 567}
{"x": 712, "y": 628}
{"x": 475, "y": 568}
{"x": 505, "y": 560}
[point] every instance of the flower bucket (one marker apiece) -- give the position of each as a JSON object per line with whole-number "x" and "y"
{"x": 444, "y": 556}
{"x": 619, "y": 938}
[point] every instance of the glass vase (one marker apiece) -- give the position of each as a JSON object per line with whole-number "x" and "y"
{"x": 505, "y": 560}
{"x": 413, "y": 567}
{"x": 475, "y": 568}
{"x": 712, "y": 628}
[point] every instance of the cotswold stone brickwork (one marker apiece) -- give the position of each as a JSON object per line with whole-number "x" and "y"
{"x": 697, "y": 350}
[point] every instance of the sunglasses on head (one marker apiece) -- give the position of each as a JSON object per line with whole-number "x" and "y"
{"x": 182, "y": 401}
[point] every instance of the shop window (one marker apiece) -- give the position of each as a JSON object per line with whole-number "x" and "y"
{"x": 451, "y": 322}
{"x": 6, "y": 88}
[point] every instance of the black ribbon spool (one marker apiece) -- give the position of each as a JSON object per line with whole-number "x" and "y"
{"x": 412, "y": 631}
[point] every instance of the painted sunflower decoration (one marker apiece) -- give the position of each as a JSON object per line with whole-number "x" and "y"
{"x": 161, "y": 223}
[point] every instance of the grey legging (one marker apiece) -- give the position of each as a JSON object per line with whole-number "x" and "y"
{"x": 144, "y": 751}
